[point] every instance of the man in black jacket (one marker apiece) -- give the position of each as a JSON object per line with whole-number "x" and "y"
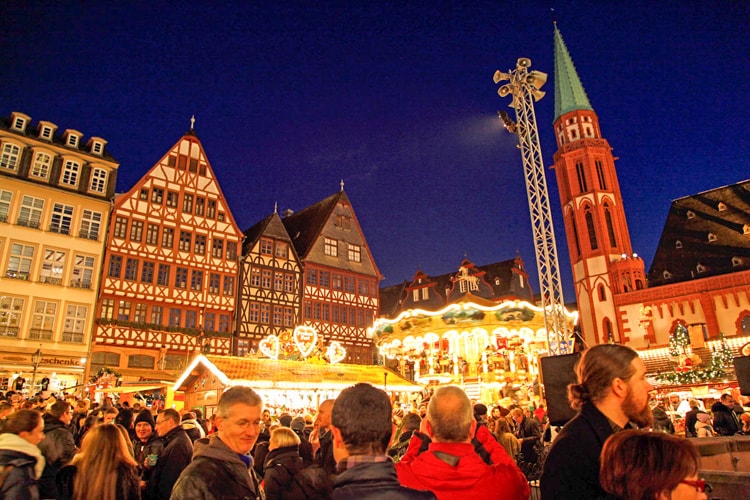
{"x": 726, "y": 421}
{"x": 174, "y": 457}
{"x": 58, "y": 446}
{"x": 611, "y": 394}
{"x": 361, "y": 428}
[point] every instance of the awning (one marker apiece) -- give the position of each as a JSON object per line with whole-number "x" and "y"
{"x": 131, "y": 388}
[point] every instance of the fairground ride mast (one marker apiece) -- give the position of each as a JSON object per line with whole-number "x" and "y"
{"x": 524, "y": 87}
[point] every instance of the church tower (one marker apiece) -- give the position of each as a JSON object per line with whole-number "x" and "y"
{"x": 601, "y": 254}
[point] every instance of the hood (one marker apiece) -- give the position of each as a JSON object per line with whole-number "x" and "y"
{"x": 18, "y": 448}
{"x": 431, "y": 470}
{"x": 215, "y": 449}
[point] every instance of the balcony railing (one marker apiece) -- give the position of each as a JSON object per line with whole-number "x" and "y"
{"x": 3, "y": 217}
{"x": 74, "y": 337}
{"x": 39, "y": 334}
{"x": 80, "y": 284}
{"x": 25, "y": 221}
{"x": 50, "y": 280}
{"x": 19, "y": 275}
{"x": 55, "y": 228}
{"x": 89, "y": 235}
{"x": 9, "y": 331}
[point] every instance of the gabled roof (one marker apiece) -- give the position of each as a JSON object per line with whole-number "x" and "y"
{"x": 569, "y": 93}
{"x": 706, "y": 234}
{"x": 305, "y": 226}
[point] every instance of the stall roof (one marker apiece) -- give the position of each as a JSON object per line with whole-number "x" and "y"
{"x": 131, "y": 388}
{"x": 277, "y": 374}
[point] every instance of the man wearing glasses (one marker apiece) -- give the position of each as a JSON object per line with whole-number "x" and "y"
{"x": 223, "y": 468}
{"x": 174, "y": 457}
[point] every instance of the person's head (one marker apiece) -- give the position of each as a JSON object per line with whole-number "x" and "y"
{"x": 238, "y": 418}
{"x": 109, "y": 415}
{"x": 517, "y": 414}
{"x": 26, "y": 424}
{"x": 61, "y": 411}
{"x": 188, "y": 416}
{"x": 125, "y": 418}
{"x": 285, "y": 420}
{"x": 727, "y": 400}
{"x": 449, "y": 416}
{"x": 361, "y": 422}
{"x": 323, "y": 417}
{"x": 144, "y": 425}
{"x": 298, "y": 425}
{"x": 411, "y": 422}
{"x": 266, "y": 418}
{"x": 496, "y": 412}
{"x": 693, "y": 403}
{"x": 198, "y": 413}
{"x": 166, "y": 421}
{"x": 103, "y": 450}
{"x": 613, "y": 375}
{"x": 282, "y": 437}
{"x": 501, "y": 426}
{"x": 480, "y": 412}
{"x": 649, "y": 465}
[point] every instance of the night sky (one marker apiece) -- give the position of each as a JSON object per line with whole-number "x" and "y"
{"x": 397, "y": 100}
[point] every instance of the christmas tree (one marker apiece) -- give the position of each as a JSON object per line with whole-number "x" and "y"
{"x": 679, "y": 341}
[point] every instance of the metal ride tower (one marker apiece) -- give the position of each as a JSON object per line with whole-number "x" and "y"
{"x": 524, "y": 87}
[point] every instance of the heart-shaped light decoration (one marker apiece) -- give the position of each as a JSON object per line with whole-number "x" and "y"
{"x": 270, "y": 346}
{"x": 336, "y": 352}
{"x": 305, "y": 338}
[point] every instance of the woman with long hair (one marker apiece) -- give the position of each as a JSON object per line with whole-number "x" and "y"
{"x": 21, "y": 461}
{"x": 104, "y": 469}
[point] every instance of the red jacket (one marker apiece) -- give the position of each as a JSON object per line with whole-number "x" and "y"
{"x": 455, "y": 471}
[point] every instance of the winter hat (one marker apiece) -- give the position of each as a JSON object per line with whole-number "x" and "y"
{"x": 298, "y": 424}
{"x": 480, "y": 410}
{"x": 145, "y": 416}
{"x": 285, "y": 420}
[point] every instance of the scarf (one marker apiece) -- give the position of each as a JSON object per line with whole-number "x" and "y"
{"x": 14, "y": 442}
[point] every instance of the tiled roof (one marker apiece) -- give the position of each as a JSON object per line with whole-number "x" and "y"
{"x": 706, "y": 234}
{"x": 304, "y": 226}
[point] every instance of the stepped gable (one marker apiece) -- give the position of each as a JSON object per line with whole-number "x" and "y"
{"x": 706, "y": 234}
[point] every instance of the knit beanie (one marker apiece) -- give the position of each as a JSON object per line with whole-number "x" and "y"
{"x": 145, "y": 416}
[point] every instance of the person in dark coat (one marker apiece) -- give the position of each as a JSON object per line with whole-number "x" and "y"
{"x": 174, "y": 457}
{"x": 726, "y": 421}
{"x": 662, "y": 422}
{"x": 282, "y": 464}
{"x": 147, "y": 445}
{"x": 305, "y": 448}
{"x": 361, "y": 428}
{"x": 58, "y": 446}
{"x": 21, "y": 460}
{"x": 322, "y": 439}
{"x": 611, "y": 394}
{"x": 409, "y": 424}
{"x": 691, "y": 418}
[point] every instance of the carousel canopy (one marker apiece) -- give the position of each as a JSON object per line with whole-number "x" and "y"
{"x": 290, "y": 375}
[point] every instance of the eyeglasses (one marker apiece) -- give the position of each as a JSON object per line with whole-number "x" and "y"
{"x": 700, "y": 485}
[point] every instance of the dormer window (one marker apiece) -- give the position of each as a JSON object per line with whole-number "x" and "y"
{"x": 415, "y": 294}
{"x": 700, "y": 268}
{"x": 712, "y": 237}
{"x": 666, "y": 274}
{"x": 96, "y": 145}
{"x": 678, "y": 244}
{"x": 19, "y": 121}
{"x": 46, "y": 130}
{"x": 721, "y": 206}
{"x": 72, "y": 137}
{"x": 690, "y": 214}
{"x": 70, "y": 173}
{"x": 10, "y": 156}
{"x": 736, "y": 261}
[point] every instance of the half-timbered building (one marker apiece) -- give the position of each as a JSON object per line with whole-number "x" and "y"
{"x": 170, "y": 276}
{"x": 340, "y": 294}
{"x": 270, "y": 284}
{"x": 55, "y": 194}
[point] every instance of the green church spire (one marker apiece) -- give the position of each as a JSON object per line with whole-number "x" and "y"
{"x": 569, "y": 93}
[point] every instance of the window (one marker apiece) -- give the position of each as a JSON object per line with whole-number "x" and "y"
{"x": 9, "y": 158}
{"x": 277, "y": 316}
{"x": 90, "y": 224}
{"x": 316, "y": 310}
{"x": 582, "y": 187}
{"x": 186, "y": 239}
{"x": 209, "y": 321}
{"x": 231, "y": 250}
{"x": 156, "y": 314}
{"x": 147, "y": 272}
{"x": 140, "y": 313}
{"x": 349, "y": 284}
{"x": 172, "y": 198}
{"x": 83, "y": 271}
{"x": 196, "y": 281}
{"x": 157, "y": 195}
{"x": 575, "y": 233}
{"x": 278, "y": 281}
{"x": 97, "y": 147}
{"x": 289, "y": 283}
{"x": 102, "y": 359}
{"x": 265, "y": 313}
{"x": 591, "y": 228}
{"x": 214, "y": 282}
{"x": 610, "y": 226}
{"x": 152, "y": 234}
{"x": 31, "y": 212}
{"x": 98, "y": 180}
{"x": 325, "y": 279}
{"x": 337, "y": 283}
{"x": 265, "y": 281}
{"x": 217, "y": 248}
{"x": 175, "y": 316}
{"x": 266, "y": 246}
{"x": 355, "y": 253}
{"x": 19, "y": 123}
{"x": 136, "y": 230}
{"x": 121, "y": 227}
{"x": 335, "y": 313}
{"x": 415, "y": 295}
{"x": 253, "y": 312}
{"x": 180, "y": 277}
{"x": 311, "y": 277}
{"x": 187, "y": 203}
{"x": 200, "y": 205}
{"x": 602, "y": 293}
{"x": 19, "y": 265}
{"x": 72, "y": 140}
{"x": 426, "y": 292}
{"x": 115, "y": 266}
{"x": 131, "y": 269}
{"x": 167, "y": 237}
{"x": 326, "y": 312}
{"x": 282, "y": 250}
{"x": 52, "y": 267}
{"x": 11, "y": 312}
{"x": 75, "y": 323}
{"x": 123, "y": 310}
{"x": 70, "y": 173}
{"x": 255, "y": 277}
{"x": 144, "y": 194}
{"x": 364, "y": 287}
{"x": 42, "y": 320}
{"x": 223, "y": 322}
{"x": 211, "y": 211}
{"x": 600, "y": 174}
{"x": 288, "y": 316}
{"x": 41, "y": 166}
{"x": 108, "y": 309}
{"x": 200, "y": 244}
{"x": 5, "y": 198}
{"x": 308, "y": 310}
{"x": 331, "y": 247}
{"x": 141, "y": 361}
{"x": 191, "y": 319}
{"x": 162, "y": 278}
{"x": 62, "y": 218}
{"x": 228, "y": 285}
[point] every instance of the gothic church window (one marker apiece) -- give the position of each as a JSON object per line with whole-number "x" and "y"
{"x": 591, "y": 229}
{"x": 582, "y": 186}
{"x": 610, "y": 226}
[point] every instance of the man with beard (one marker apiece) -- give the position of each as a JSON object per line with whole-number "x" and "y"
{"x": 611, "y": 394}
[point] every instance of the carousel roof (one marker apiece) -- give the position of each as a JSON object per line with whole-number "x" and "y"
{"x": 278, "y": 374}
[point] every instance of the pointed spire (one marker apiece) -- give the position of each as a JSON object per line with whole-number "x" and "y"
{"x": 275, "y": 207}
{"x": 342, "y": 184}
{"x": 192, "y": 122}
{"x": 569, "y": 93}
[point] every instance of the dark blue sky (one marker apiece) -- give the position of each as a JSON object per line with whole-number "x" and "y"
{"x": 397, "y": 99}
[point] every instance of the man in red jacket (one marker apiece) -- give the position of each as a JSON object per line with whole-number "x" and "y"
{"x": 450, "y": 467}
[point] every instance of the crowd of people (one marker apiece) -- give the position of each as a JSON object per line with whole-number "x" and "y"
{"x": 359, "y": 447}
